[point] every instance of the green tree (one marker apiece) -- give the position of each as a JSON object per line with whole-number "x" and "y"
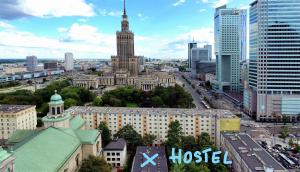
{"x": 40, "y": 123}
{"x": 132, "y": 137}
{"x": 291, "y": 143}
{"x": 69, "y": 103}
{"x": 297, "y": 149}
{"x": 105, "y": 133}
{"x": 174, "y": 135}
{"x": 157, "y": 101}
{"x": 188, "y": 143}
{"x": 204, "y": 141}
{"x": 284, "y": 132}
{"x": 148, "y": 139}
{"x": 97, "y": 101}
{"x": 95, "y": 164}
{"x": 178, "y": 168}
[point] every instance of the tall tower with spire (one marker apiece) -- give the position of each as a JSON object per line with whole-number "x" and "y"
{"x": 125, "y": 60}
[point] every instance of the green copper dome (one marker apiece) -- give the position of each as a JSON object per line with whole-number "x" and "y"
{"x": 56, "y": 99}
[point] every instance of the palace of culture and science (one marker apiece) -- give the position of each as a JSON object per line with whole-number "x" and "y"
{"x": 125, "y": 61}
{"x": 125, "y": 67}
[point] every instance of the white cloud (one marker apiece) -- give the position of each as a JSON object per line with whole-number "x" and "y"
{"x": 6, "y": 25}
{"x": 219, "y": 3}
{"x": 142, "y": 17}
{"x": 86, "y": 41}
{"x": 202, "y": 10}
{"x": 104, "y": 12}
{"x": 56, "y": 8}
{"x": 215, "y": 3}
{"x": 179, "y": 2}
{"x": 82, "y": 40}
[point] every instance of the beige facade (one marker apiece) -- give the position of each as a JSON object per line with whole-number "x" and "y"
{"x": 155, "y": 121}
{"x": 16, "y": 117}
{"x": 88, "y": 82}
{"x": 122, "y": 77}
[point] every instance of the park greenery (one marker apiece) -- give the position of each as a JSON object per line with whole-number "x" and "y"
{"x": 71, "y": 95}
{"x": 176, "y": 139}
{"x": 95, "y": 164}
{"x": 9, "y": 84}
{"x": 170, "y": 97}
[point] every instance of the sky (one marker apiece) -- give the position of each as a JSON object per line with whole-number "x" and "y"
{"x": 87, "y": 28}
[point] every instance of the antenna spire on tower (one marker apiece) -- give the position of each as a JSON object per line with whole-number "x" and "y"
{"x": 124, "y": 7}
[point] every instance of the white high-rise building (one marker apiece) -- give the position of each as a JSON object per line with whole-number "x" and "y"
{"x": 230, "y": 49}
{"x": 31, "y": 63}
{"x": 69, "y": 62}
{"x": 274, "y": 64}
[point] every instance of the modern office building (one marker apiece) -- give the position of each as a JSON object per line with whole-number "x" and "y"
{"x": 274, "y": 64}
{"x": 155, "y": 121}
{"x": 69, "y": 62}
{"x": 16, "y": 117}
{"x": 115, "y": 153}
{"x": 190, "y": 47}
{"x": 247, "y": 155}
{"x": 31, "y": 63}
{"x": 200, "y": 55}
{"x": 230, "y": 49}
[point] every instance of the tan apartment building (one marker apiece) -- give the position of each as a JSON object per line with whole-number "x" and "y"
{"x": 155, "y": 121}
{"x": 16, "y": 117}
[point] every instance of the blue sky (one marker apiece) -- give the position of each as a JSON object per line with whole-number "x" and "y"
{"x": 87, "y": 28}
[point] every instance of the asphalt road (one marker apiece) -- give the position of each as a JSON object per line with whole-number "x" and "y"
{"x": 197, "y": 98}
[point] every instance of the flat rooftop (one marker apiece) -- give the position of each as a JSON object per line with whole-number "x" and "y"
{"x": 161, "y": 161}
{"x": 14, "y": 108}
{"x": 118, "y": 144}
{"x": 251, "y": 152}
{"x": 75, "y": 110}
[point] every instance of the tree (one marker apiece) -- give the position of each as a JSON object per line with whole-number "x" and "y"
{"x": 95, "y": 164}
{"x": 291, "y": 143}
{"x": 70, "y": 102}
{"x": 178, "y": 168}
{"x": 284, "y": 132}
{"x": 174, "y": 135}
{"x": 40, "y": 123}
{"x": 204, "y": 141}
{"x": 97, "y": 101}
{"x": 188, "y": 143}
{"x": 105, "y": 133}
{"x": 148, "y": 139}
{"x": 132, "y": 137}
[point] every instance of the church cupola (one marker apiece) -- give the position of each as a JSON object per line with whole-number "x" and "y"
{"x": 56, "y": 106}
{"x": 56, "y": 116}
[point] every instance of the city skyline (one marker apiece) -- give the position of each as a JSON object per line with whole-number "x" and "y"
{"x": 87, "y": 28}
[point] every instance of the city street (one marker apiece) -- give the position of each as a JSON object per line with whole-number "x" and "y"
{"x": 197, "y": 98}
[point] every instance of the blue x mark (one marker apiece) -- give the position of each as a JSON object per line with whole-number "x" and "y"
{"x": 149, "y": 159}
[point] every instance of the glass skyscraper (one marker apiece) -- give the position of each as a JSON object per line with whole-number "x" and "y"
{"x": 190, "y": 47}
{"x": 230, "y": 47}
{"x": 274, "y": 64}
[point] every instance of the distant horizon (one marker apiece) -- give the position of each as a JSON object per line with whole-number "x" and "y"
{"x": 88, "y": 27}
